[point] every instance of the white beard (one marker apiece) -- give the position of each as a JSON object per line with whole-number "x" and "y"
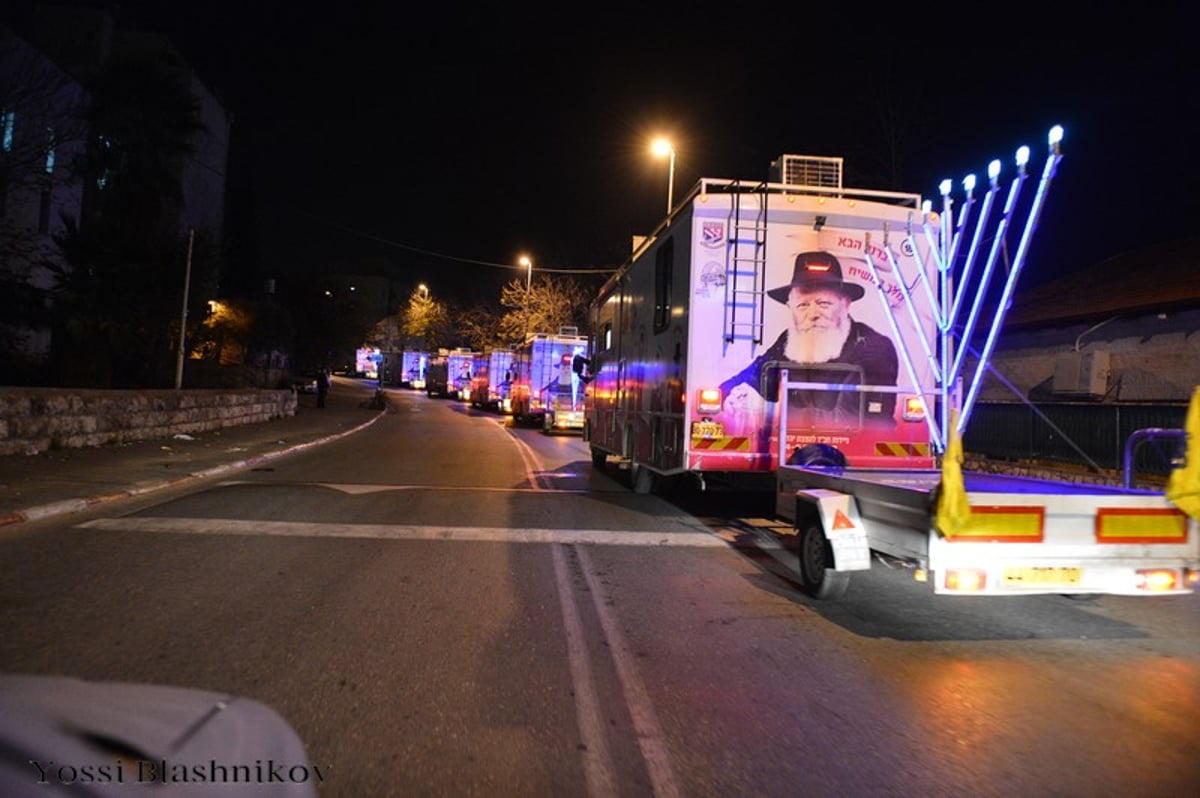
{"x": 817, "y": 345}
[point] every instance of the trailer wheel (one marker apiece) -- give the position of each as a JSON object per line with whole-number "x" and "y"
{"x": 816, "y": 560}
{"x": 817, "y": 454}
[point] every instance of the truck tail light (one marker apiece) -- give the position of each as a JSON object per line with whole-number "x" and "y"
{"x": 708, "y": 400}
{"x": 913, "y": 408}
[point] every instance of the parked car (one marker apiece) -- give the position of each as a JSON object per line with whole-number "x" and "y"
{"x": 302, "y": 383}
{"x": 65, "y": 736}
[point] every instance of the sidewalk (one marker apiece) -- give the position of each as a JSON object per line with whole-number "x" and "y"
{"x": 68, "y": 480}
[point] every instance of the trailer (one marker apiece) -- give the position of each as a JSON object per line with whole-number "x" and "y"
{"x": 546, "y": 390}
{"x": 865, "y": 452}
{"x": 492, "y": 380}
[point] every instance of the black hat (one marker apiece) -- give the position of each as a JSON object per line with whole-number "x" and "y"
{"x": 816, "y": 271}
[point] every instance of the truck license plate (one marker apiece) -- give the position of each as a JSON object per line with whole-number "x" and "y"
{"x": 708, "y": 429}
{"x": 1043, "y": 576}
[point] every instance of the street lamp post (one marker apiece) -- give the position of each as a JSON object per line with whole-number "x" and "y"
{"x": 528, "y": 264}
{"x": 660, "y": 148}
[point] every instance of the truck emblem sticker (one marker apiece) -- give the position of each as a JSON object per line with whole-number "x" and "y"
{"x": 712, "y": 234}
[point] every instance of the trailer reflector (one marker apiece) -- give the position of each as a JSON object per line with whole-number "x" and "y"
{"x": 1003, "y": 524}
{"x": 884, "y": 449}
{"x": 721, "y": 444}
{"x": 1140, "y": 525}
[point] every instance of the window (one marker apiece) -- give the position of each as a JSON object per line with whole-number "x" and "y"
{"x": 8, "y": 120}
{"x": 607, "y": 336}
{"x": 50, "y": 150}
{"x": 663, "y": 261}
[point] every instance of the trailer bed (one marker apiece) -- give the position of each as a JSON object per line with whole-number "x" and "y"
{"x": 898, "y": 504}
{"x": 901, "y": 482}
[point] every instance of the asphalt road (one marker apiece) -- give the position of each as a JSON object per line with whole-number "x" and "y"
{"x": 443, "y": 604}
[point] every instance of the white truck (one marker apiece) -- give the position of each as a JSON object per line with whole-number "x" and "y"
{"x": 890, "y": 297}
{"x": 459, "y": 363}
{"x": 492, "y": 379}
{"x": 412, "y": 368}
{"x": 546, "y": 391}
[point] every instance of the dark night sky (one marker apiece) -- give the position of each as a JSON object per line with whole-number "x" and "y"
{"x": 481, "y": 135}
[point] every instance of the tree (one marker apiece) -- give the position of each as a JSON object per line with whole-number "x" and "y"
{"x": 428, "y": 320}
{"x": 421, "y": 315}
{"x": 479, "y": 326}
{"x": 547, "y": 306}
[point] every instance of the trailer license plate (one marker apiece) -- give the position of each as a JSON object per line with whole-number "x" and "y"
{"x": 708, "y": 429}
{"x": 1043, "y": 576}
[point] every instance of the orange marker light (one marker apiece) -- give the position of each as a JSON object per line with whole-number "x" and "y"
{"x": 966, "y": 580}
{"x": 1156, "y": 579}
{"x": 708, "y": 400}
{"x": 914, "y": 408}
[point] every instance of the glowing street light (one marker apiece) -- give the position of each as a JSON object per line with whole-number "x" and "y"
{"x": 528, "y": 264}
{"x": 662, "y": 147}
{"x": 423, "y": 290}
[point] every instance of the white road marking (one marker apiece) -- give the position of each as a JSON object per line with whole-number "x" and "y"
{"x": 359, "y": 489}
{"x": 641, "y": 709}
{"x": 533, "y": 466}
{"x": 229, "y": 526}
{"x": 597, "y": 761}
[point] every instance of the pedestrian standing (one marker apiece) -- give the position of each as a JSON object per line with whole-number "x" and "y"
{"x": 322, "y": 387}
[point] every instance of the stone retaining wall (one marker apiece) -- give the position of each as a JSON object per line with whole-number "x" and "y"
{"x": 38, "y": 419}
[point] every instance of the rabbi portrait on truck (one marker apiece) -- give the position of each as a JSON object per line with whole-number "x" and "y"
{"x": 822, "y": 331}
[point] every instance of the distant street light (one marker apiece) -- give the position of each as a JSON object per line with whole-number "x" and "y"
{"x": 528, "y": 264}
{"x": 662, "y": 147}
{"x": 424, "y": 290}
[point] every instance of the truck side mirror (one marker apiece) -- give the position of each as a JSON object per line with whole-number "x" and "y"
{"x": 579, "y": 364}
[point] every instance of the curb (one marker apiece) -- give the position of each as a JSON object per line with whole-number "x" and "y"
{"x": 65, "y": 506}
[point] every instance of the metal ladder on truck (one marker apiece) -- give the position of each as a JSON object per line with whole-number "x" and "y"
{"x": 745, "y": 266}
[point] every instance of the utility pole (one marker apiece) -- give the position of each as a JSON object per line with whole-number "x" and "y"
{"x": 187, "y": 279}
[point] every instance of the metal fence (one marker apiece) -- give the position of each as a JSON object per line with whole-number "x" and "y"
{"x": 1074, "y": 433}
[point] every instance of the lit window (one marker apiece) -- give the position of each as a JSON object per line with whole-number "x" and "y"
{"x": 50, "y": 151}
{"x": 7, "y": 121}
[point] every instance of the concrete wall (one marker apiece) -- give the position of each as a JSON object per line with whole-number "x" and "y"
{"x": 38, "y": 419}
{"x": 1152, "y": 357}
